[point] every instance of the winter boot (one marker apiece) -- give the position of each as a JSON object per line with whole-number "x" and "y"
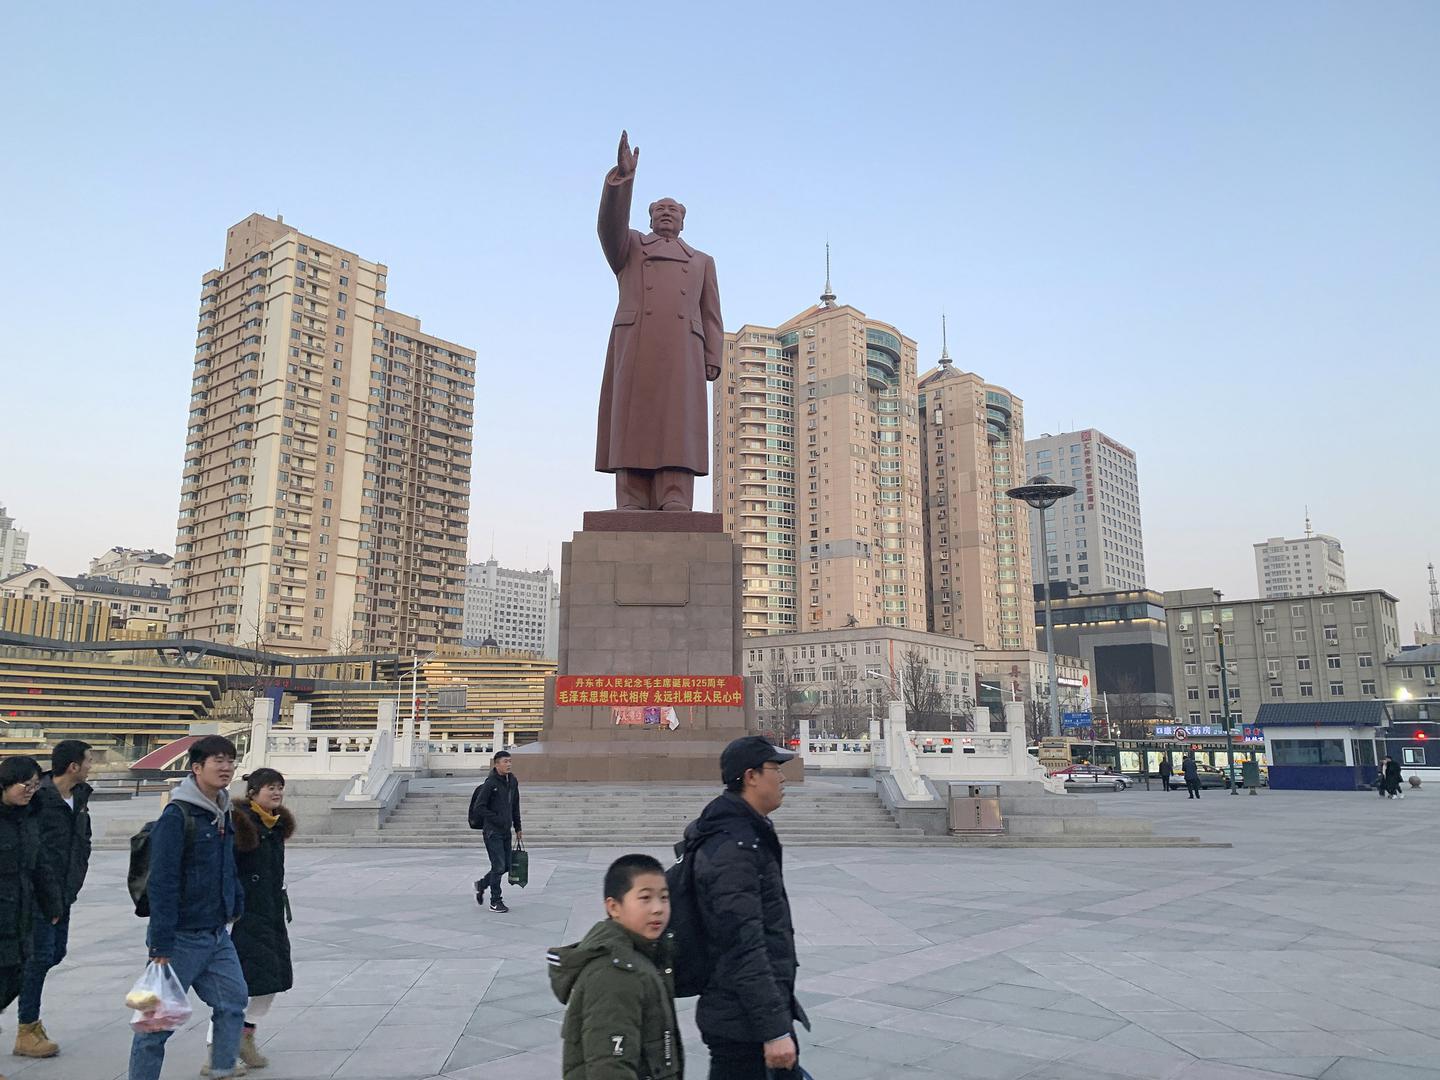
{"x": 32, "y": 1042}
{"x": 205, "y": 1070}
{"x": 250, "y": 1053}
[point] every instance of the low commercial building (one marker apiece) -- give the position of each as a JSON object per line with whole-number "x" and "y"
{"x": 839, "y": 680}
{"x": 78, "y": 621}
{"x": 143, "y": 604}
{"x": 1006, "y": 675}
{"x": 1122, "y": 638}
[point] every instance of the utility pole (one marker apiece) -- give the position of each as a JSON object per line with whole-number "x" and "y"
{"x": 1225, "y": 699}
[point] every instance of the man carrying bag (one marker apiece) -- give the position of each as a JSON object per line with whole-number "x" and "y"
{"x": 495, "y": 810}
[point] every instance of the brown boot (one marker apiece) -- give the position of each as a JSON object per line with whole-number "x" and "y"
{"x": 250, "y": 1053}
{"x": 32, "y": 1042}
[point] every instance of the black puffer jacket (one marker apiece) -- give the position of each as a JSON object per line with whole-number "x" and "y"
{"x": 261, "y": 938}
{"x": 746, "y": 918}
{"x": 65, "y": 835}
{"x": 27, "y": 883}
{"x": 495, "y": 805}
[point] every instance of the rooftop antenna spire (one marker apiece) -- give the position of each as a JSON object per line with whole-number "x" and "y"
{"x": 492, "y": 545}
{"x": 1434, "y": 602}
{"x": 828, "y": 296}
{"x": 1307, "y": 523}
{"x": 945, "y": 360}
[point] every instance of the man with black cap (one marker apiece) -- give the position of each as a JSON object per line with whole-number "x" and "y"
{"x": 747, "y": 1011}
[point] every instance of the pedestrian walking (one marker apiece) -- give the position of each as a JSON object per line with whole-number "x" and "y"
{"x": 262, "y": 939}
{"x": 62, "y": 812}
{"x": 1167, "y": 770}
{"x": 1192, "y": 775}
{"x": 1393, "y": 779}
{"x": 747, "y": 1011}
{"x": 618, "y": 984}
{"x": 495, "y": 810}
{"x": 195, "y": 894}
{"x": 28, "y": 889}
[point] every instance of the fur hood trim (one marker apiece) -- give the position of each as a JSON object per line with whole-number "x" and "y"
{"x": 247, "y": 826}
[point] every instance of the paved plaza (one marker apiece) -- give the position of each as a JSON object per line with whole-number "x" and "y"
{"x": 1310, "y": 948}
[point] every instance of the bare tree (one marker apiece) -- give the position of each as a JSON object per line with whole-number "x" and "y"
{"x": 920, "y": 691}
{"x": 787, "y": 700}
{"x": 1125, "y": 709}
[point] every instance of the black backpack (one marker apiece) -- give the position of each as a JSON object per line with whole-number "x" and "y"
{"x": 476, "y": 819}
{"x": 138, "y": 878}
{"x": 692, "y": 952}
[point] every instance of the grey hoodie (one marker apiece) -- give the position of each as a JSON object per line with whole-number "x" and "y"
{"x": 189, "y": 792}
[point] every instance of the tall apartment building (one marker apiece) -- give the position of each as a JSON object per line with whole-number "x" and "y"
{"x": 1330, "y": 647}
{"x": 977, "y": 573}
{"x": 131, "y": 566}
{"x": 1095, "y": 537}
{"x": 516, "y": 609}
{"x": 817, "y": 471}
{"x": 14, "y": 546}
{"x": 1306, "y": 566}
{"x": 325, "y": 499}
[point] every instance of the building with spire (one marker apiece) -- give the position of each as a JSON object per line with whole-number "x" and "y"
{"x": 817, "y": 470}
{"x": 14, "y": 546}
{"x": 977, "y": 541}
{"x": 1304, "y": 566}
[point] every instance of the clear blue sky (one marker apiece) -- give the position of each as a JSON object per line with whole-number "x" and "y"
{"x": 1208, "y": 229}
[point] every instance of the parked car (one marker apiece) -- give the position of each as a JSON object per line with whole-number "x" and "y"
{"x": 1212, "y": 777}
{"x": 1091, "y": 777}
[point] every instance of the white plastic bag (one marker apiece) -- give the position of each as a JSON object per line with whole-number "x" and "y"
{"x": 158, "y": 1000}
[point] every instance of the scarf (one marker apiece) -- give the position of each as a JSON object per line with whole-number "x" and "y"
{"x": 266, "y": 818}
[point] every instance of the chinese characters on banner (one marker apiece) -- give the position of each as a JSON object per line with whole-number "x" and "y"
{"x": 652, "y": 690}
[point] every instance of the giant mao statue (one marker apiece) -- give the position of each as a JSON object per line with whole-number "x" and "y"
{"x": 666, "y": 342}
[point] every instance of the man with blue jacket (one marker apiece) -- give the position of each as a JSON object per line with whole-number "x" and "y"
{"x": 195, "y": 895}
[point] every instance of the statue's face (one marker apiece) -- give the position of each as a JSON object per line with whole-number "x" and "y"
{"x": 667, "y": 217}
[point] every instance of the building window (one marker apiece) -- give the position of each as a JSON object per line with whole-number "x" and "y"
{"x": 1272, "y": 637}
{"x": 1366, "y": 660}
{"x": 1192, "y": 667}
{"x": 1277, "y": 691}
{"x": 1192, "y": 693}
{"x": 1272, "y": 668}
{"x": 1362, "y": 631}
{"x": 1333, "y": 663}
{"x": 1213, "y": 693}
{"x": 1357, "y": 606}
{"x": 1297, "y": 610}
{"x": 1301, "y": 634}
{"x": 1337, "y": 689}
{"x": 1307, "y": 689}
{"x": 1367, "y": 686}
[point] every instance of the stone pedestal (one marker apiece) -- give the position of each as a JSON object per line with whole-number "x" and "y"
{"x": 644, "y": 594}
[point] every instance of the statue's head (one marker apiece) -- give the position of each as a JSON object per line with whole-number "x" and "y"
{"x": 667, "y": 217}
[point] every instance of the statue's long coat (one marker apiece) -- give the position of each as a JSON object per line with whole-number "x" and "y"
{"x": 667, "y": 330}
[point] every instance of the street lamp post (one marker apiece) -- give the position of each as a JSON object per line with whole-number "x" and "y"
{"x": 1041, "y": 493}
{"x": 1225, "y": 702}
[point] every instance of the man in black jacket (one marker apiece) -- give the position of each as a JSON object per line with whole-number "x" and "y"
{"x": 495, "y": 809}
{"x": 747, "y": 1011}
{"x": 62, "y": 807}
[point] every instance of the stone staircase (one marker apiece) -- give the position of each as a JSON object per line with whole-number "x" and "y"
{"x": 1037, "y": 818}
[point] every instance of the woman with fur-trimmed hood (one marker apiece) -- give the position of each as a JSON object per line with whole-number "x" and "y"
{"x": 262, "y": 825}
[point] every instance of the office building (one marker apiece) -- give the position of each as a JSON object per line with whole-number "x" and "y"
{"x": 325, "y": 499}
{"x": 1305, "y": 566}
{"x": 131, "y": 566}
{"x": 14, "y": 546}
{"x": 512, "y": 609}
{"x": 977, "y": 547}
{"x": 1095, "y": 536}
{"x": 817, "y": 471}
{"x": 1122, "y": 639}
{"x": 1327, "y": 647}
{"x": 840, "y": 680}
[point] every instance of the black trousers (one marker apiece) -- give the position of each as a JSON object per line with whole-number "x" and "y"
{"x": 497, "y": 846}
{"x": 10, "y": 980}
{"x": 1193, "y": 786}
{"x": 744, "y": 1061}
{"x": 1165, "y": 782}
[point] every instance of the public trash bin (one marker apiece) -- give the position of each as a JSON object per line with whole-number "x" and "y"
{"x": 1250, "y": 775}
{"x": 975, "y": 808}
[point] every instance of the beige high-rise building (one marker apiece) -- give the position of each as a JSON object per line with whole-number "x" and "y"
{"x": 978, "y": 574}
{"x": 325, "y": 499}
{"x": 817, "y": 471}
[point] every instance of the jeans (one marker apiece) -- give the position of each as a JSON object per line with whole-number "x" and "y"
{"x": 48, "y": 945}
{"x": 745, "y": 1061}
{"x": 205, "y": 960}
{"x": 497, "y": 846}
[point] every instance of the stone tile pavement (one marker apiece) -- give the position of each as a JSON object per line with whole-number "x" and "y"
{"x": 1311, "y": 948}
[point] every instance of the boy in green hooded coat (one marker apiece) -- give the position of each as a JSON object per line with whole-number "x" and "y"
{"x": 618, "y": 983}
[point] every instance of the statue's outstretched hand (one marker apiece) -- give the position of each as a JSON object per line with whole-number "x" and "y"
{"x": 625, "y": 159}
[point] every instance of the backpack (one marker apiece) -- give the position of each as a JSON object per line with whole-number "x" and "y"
{"x": 138, "y": 878}
{"x": 692, "y": 952}
{"x": 474, "y": 816}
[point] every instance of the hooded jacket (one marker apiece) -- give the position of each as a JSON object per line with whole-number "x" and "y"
{"x": 65, "y": 835}
{"x": 746, "y": 916}
{"x": 27, "y": 882}
{"x": 194, "y": 886}
{"x": 261, "y": 938}
{"x": 620, "y": 996}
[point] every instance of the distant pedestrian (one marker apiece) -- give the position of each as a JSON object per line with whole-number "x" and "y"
{"x": 495, "y": 810}
{"x": 1192, "y": 775}
{"x": 1393, "y": 779}
{"x": 262, "y": 939}
{"x": 1167, "y": 770}
{"x": 618, "y": 983}
{"x": 28, "y": 889}
{"x": 195, "y": 894}
{"x": 62, "y": 809}
{"x": 747, "y": 1011}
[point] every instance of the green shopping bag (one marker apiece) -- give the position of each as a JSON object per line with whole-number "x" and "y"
{"x": 519, "y": 865}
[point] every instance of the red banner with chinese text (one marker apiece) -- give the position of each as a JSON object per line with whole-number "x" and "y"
{"x": 716, "y": 690}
